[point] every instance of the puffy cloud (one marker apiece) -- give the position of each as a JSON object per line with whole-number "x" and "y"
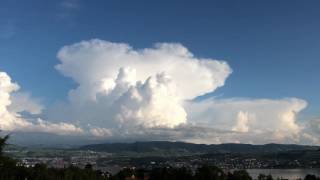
{"x": 148, "y": 93}
{"x": 54, "y": 128}
{"x": 311, "y": 132}
{"x": 101, "y": 132}
{"x": 151, "y": 104}
{"x": 22, "y": 101}
{"x": 91, "y": 62}
{"x": 314, "y": 126}
{"x": 254, "y": 118}
{"x": 242, "y": 122}
{"x": 120, "y": 86}
{"x": 12, "y": 120}
{"x": 124, "y": 93}
{"x": 7, "y": 119}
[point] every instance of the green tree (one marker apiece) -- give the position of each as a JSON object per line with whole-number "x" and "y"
{"x": 3, "y": 141}
{"x": 169, "y": 173}
{"x": 265, "y": 177}
{"x": 311, "y": 177}
{"x": 126, "y": 172}
{"x": 210, "y": 173}
{"x": 239, "y": 175}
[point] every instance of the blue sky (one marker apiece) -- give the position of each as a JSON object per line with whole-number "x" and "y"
{"x": 273, "y": 47}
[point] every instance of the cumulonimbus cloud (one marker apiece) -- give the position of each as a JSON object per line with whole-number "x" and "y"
{"x": 144, "y": 87}
{"x": 148, "y": 94}
{"x": 92, "y": 62}
{"x": 130, "y": 92}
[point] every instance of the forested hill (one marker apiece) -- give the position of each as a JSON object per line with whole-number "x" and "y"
{"x": 154, "y": 146}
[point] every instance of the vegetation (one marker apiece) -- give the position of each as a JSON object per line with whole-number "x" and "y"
{"x": 264, "y": 177}
{"x": 183, "y": 147}
{"x": 11, "y": 170}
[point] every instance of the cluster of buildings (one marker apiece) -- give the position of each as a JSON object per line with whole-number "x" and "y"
{"x": 111, "y": 163}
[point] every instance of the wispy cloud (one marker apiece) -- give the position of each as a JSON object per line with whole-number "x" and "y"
{"x": 70, "y": 4}
{"x": 67, "y": 9}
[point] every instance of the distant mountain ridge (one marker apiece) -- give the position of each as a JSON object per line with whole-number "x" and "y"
{"x": 154, "y": 146}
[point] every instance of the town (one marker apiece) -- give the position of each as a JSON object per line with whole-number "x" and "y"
{"x": 113, "y": 162}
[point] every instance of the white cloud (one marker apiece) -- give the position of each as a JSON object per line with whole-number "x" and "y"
{"x": 90, "y": 62}
{"x": 11, "y": 120}
{"x": 277, "y": 118}
{"x": 124, "y": 93}
{"x": 22, "y": 101}
{"x": 242, "y": 122}
{"x": 101, "y": 132}
{"x": 147, "y": 93}
{"x": 120, "y": 86}
{"x": 54, "y": 128}
{"x": 151, "y": 104}
{"x": 311, "y": 132}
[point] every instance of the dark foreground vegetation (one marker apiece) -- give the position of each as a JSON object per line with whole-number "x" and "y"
{"x": 12, "y": 170}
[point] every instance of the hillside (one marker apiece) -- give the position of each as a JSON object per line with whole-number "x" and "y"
{"x": 155, "y": 146}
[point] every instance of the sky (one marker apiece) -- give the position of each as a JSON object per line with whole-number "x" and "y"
{"x": 197, "y": 71}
